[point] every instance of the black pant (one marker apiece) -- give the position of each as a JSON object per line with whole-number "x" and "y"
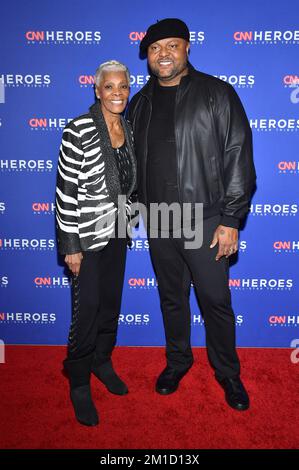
{"x": 96, "y": 301}
{"x": 175, "y": 266}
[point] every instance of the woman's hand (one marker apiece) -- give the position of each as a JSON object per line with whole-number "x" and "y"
{"x": 74, "y": 262}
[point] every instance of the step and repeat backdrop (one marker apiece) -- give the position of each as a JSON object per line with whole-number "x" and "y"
{"x": 49, "y": 52}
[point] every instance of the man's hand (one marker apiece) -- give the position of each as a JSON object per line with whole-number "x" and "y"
{"x": 227, "y": 238}
{"x": 74, "y": 262}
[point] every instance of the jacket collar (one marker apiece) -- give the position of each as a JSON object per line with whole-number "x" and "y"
{"x": 111, "y": 172}
{"x": 148, "y": 89}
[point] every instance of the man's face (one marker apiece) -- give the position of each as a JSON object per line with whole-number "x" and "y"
{"x": 167, "y": 58}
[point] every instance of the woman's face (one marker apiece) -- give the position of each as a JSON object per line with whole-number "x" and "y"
{"x": 113, "y": 91}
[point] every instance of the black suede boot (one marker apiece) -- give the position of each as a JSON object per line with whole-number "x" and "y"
{"x": 107, "y": 375}
{"x": 79, "y": 376}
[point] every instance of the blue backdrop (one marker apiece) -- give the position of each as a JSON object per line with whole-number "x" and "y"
{"x": 49, "y": 52}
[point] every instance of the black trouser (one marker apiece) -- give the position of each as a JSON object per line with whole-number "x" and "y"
{"x": 175, "y": 266}
{"x": 96, "y": 301}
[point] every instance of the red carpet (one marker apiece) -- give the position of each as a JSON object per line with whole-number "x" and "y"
{"x": 35, "y": 412}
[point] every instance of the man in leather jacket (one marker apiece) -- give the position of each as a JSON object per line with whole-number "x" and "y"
{"x": 194, "y": 145}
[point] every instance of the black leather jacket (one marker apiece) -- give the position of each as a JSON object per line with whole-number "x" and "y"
{"x": 213, "y": 143}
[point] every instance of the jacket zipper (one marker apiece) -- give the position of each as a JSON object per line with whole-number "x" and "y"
{"x": 176, "y": 146}
{"x": 146, "y": 149}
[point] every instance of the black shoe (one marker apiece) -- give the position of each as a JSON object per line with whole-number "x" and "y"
{"x": 107, "y": 375}
{"x": 235, "y": 393}
{"x": 168, "y": 381}
{"x": 84, "y": 408}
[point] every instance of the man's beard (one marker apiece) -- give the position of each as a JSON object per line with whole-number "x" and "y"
{"x": 174, "y": 73}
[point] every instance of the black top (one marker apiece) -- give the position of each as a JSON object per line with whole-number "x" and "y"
{"x": 162, "y": 183}
{"x": 124, "y": 166}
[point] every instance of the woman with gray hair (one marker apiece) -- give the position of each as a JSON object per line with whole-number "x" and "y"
{"x": 96, "y": 166}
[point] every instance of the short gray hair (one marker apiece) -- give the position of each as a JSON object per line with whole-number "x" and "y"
{"x": 110, "y": 66}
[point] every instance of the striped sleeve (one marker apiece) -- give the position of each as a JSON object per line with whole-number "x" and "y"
{"x": 69, "y": 165}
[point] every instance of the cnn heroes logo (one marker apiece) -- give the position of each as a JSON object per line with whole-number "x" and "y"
{"x": 24, "y": 244}
{"x": 134, "y": 319}
{"x": 286, "y": 246}
{"x": 283, "y": 320}
{"x": 28, "y": 317}
{"x": 197, "y": 320}
{"x": 51, "y": 282}
{"x": 261, "y": 284}
{"x": 239, "y": 81}
{"x": 288, "y": 167}
{"x": 136, "y": 81}
{"x": 28, "y": 80}
{"x": 291, "y": 81}
{"x": 273, "y": 124}
{"x": 48, "y": 124}
{"x": 43, "y": 208}
{"x": 30, "y": 165}
{"x": 274, "y": 37}
{"x": 196, "y": 37}
{"x": 63, "y": 37}
{"x": 142, "y": 283}
{"x": 274, "y": 210}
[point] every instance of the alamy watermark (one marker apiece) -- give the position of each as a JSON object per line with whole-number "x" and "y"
{"x": 295, "y": 96}
{"x": 160, "y": 220}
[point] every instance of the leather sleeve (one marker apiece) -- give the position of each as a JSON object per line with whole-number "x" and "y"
{"x": 239, "y": 172}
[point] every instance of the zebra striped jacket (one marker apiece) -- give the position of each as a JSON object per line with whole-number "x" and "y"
{"x": 88, "y": 183}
